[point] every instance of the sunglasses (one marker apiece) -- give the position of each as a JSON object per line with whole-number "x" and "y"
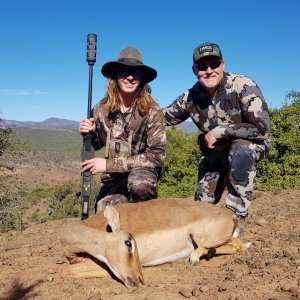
{"x": 124, "y": 73}
{"x": 213, "y": 65}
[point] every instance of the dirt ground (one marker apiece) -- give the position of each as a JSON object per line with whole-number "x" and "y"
{"x": 31, "y": 262}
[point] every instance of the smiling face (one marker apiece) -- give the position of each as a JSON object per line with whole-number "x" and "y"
{"x": 209, "y": 71}
{"x": 129, "y": 80}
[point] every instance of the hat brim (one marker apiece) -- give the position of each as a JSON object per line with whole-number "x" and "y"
{"x": 110, "y": 70}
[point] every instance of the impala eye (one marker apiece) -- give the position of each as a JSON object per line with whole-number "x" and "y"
{"x": 128, "y": 244}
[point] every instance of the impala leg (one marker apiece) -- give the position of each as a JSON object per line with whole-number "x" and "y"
{"x": 197, "y": 254}
{"x": 235, "y": 245}
{"x": 86, "y": 268}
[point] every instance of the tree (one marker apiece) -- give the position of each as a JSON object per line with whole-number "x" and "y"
{"x": 179, "y": 177}
{"x": 281, "y": 168}
{"x": 9, "y": 143}
{"x": 10, "y": 205}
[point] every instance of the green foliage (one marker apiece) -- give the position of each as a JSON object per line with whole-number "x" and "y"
{"x": 9, "y": 143}
{"x": 53, "y": 203}
{"x": 11, "y": 212}
{"x": 11, "y": 206}
{"x": 281, "y": 168}
{"x": 65, "y": 200}
{"x": 5, "y": 139}
{"x": 180, "y": 171}
{"x": 36, "y": 139}
{"x": 60, "y": 143}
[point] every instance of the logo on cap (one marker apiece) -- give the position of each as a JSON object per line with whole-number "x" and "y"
{"x": 207, "y": 48}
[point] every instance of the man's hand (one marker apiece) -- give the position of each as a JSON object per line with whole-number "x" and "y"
{"x": 210, "y": 139}
{"x": 96, "y": 165}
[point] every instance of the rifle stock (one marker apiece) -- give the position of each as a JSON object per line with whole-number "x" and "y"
{"x": 87, "y": 149}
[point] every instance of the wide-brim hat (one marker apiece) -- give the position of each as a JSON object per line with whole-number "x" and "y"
{"x": 129, "y": 58}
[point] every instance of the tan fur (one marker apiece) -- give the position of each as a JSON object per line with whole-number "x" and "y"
{"x": 164, "y": 230}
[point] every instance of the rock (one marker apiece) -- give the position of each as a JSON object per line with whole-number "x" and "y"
{"x": 259, "y": 264}
{"x": 290, "y": 252}
{"x": 185, "y": 292}
{"x": 290, "y": 286}
{"x": 95, "y": 297}
{"x": 262, "y": 222}
{"x": 196, "y": 291}
{"x": 204, "y": 288}
{"x": 222, "y": 288}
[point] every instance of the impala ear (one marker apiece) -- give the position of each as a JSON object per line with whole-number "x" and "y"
{"x": 112, "y": 217}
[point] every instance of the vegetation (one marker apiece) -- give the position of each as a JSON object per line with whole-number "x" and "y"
{"x": 180, "y": 171}
{"x": 47, "y": 140}
{"x": 10, "y": 205}
{"x": 9, "y": 143}
{"x": 280, "y": 169}
{"x": 65, "y": 201}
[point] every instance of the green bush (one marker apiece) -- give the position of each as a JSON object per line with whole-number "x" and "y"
{"x": 179, "y": 176}
{"x": 11, "y": 212}
{"x": 65, "y": 200}
{"x": 281, "y": 168}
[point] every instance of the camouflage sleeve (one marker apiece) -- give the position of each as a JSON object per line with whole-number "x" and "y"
{"x": 255, "y": 115}
{"x": 177, "y": 112}
{"x": 96, "y": 141}
{"x": 155, "y": 152}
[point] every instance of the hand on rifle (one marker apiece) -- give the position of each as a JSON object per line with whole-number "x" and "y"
{"x": 87, "y": 125}
{"x": 96, "y": 165}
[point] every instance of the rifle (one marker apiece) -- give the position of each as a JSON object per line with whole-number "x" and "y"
{"x": 87, "y": 149}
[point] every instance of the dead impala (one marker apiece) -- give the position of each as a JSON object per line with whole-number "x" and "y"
{"x": 128, "y": 236}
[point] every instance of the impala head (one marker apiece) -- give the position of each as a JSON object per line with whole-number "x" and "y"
{"x": 122, "y": 254}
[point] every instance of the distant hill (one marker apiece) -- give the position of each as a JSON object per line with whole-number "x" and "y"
{"x": 52, "y": 123}
{"x": 56, "y": 123}
{"x": 188, "y": 127}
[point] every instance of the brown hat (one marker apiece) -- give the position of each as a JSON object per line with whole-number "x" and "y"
{"x": 129, "y": 58}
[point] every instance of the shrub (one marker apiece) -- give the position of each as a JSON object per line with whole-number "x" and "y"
{"x": 179, "y": 176}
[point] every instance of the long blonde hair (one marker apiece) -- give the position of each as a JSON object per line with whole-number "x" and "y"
{"x": 144, "y": 100}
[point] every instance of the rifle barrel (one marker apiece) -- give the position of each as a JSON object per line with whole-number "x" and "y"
{"x": 87, "y": 149}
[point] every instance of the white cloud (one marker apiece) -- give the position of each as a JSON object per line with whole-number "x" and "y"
{"x": 10, "y": 92}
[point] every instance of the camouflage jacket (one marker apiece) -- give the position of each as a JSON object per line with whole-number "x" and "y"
{"x": 148, "y": 145}
{"x": 238, "y": 111}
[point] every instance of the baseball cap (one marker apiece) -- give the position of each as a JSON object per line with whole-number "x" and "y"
{"x": 206, "y": 49}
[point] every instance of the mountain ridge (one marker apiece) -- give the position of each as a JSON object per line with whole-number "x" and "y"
{"x": 57, "y": 123}
{"x": 51, "y": 123}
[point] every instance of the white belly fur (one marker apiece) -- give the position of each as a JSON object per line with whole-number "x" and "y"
{"x": 164, "y": 246}
{"x": 184, "y": 253}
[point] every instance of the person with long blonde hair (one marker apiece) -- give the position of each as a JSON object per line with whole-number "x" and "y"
{"x": 129, "y": 125}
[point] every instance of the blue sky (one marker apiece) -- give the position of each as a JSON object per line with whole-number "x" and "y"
{"x": 43, "y": 65}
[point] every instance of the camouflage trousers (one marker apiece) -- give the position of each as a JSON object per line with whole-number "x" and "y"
{"x": 233, "y": 167}
{"x": 139, "y": 184}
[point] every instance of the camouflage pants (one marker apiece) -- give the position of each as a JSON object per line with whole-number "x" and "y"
{"x": 138, "y": 185}
{"x": 235, "y": 168}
